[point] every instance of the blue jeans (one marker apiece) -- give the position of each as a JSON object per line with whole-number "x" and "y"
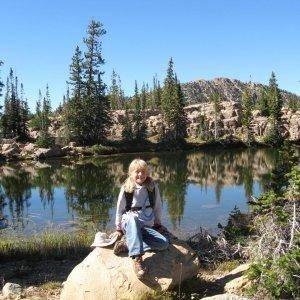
{"x": 142, "y": 238}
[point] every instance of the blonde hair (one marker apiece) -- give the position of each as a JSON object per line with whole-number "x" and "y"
{"x": 137, "y": 164}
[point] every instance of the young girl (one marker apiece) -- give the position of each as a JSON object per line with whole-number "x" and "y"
{"x": 139, "y": 211}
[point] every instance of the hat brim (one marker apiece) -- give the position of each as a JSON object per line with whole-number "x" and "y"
{"x": 105, "y": 242}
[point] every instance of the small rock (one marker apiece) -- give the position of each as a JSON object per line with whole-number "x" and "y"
{"x": 240, "y": 268}
{"x": 48, "y": 152}
{"x": 237, "y": 285}
{"x": 225, "y": 297}
{"x": 28, "y": 148}
{"x": 30, "y": 289}
{"x": 72, "y": 144}
{"x": 11, "y": 290}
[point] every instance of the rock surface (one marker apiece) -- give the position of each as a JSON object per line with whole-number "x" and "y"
{"x": 11, "y": 290}
{"x": 48, "y": 152}
{"x": 102, "y": 275}
{"x": 235, "y": 282}
{"x": 225, "y": 297}
{"x": 230, "y": 89}
{"x": 229, "y": 122}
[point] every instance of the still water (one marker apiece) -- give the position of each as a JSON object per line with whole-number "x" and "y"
{"x": 199, "y": 189}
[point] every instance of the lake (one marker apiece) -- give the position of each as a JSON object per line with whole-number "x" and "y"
{"x": 199, "y": 189}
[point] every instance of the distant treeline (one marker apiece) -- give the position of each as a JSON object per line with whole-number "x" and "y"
{"x": 85, "y": 109}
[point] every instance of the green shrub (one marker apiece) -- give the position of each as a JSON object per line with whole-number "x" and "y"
{"x": 275, "y": 250}
{"x": 237, "y": 228}
{"x": 45, "y": 140}
{"x": 279, "y": 277}
{"x": 101, "y": 149}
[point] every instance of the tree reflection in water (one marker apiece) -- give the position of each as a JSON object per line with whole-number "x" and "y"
{"x": 90, "y": 187}
{"x": 88, "y": 191}
{"x": 173, "y": 183}
{"x": 16, "y": 189}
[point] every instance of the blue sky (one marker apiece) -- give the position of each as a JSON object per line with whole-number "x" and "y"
{"x": 207, "y": 39}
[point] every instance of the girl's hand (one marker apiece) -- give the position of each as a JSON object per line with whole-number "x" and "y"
{"x": 117, "y": 233}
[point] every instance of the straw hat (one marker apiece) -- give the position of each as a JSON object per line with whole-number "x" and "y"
{"x": 101, "y": 240}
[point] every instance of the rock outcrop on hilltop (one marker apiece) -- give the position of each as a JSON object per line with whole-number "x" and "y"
{"x": 200, "y": 91}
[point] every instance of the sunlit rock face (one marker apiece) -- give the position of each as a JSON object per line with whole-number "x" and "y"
{"x": 229, "y": 122}
{"x": 103, "y": 275}
{"x": 200, "y": 91}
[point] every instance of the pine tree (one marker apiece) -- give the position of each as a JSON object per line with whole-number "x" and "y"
{"x": 24, "y": 112}
{"x": 13, "y": 124}
{"x": 179, "y": 113}
{"x": 41, "y": 120}
{"x": 203, "y": 131}
{"x": 113, "y": 95}
{"x": 172, "y": 104}
{"x": 274, "y": 98}
{"x": 87, "y": 117}
{"x": 121, "y": 100}
{"x": 45, "y": 139}
{"x": 35, "y": 122}
{"x": 262, "y": 104}
{"x": 93, "y": 56}
{"x": 6, "y": 114}
{"x": 127, "y": 133}
{"x": 156, "y": 93}
{"x": 148, "y": 96}
{"x": 139, "y": 128}
{"x": 68, "y": 93}
{"x": 168, "y": 95}
{"x": 216, "y": 101}
{"x": 39, "y": 103}
{"x": 247, "y": 105}
{"x": 274, "y": 136}
{"x": 143, "y": 97}
{"x": 76, "y": 74}
{"x": 1, "y": 83}
{"x": 47, "y": 102}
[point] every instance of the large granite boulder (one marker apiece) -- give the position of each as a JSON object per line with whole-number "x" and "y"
{"x": 28, "y": 150}
{"x": 103, "y": 275}
{"x": 10, "y": 150}
{"x": 41, "y": 153}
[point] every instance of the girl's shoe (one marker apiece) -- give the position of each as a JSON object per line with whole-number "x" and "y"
{"x": 120, "y": 247}
{"x": 139, "y": 268}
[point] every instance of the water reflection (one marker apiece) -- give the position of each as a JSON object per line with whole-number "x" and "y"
{"x": 61, "y": 189}
{"x": 88, "y": 191}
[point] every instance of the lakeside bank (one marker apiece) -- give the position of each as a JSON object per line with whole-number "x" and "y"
{"x": 16, "y": 151}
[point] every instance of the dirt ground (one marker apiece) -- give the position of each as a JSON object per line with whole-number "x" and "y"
{"x": 39, "y": 279}
{"x": 44, "y": 279}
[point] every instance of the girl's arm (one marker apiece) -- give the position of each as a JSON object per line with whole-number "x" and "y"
{"x": 121, "y": 204}
{"x": 157, "y": 208}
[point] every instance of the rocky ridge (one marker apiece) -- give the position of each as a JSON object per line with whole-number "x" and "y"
{"x": 200, "y": 91}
